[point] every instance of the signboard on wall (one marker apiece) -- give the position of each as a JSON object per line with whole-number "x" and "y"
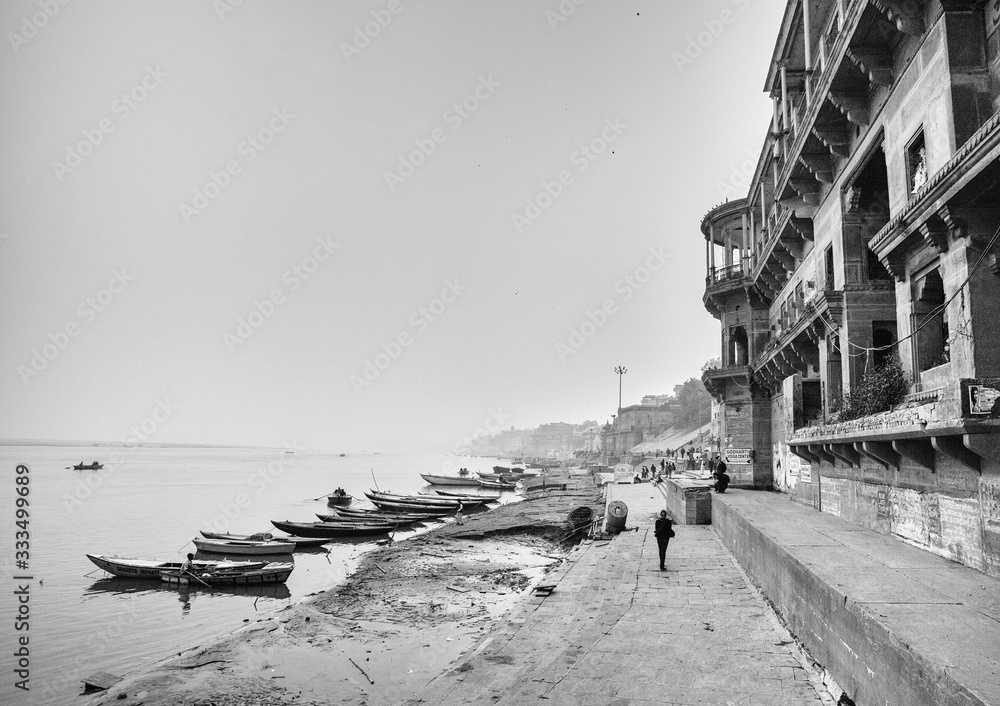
{"x": 805, "y": 473}
{"x": 982, "y": 399}
{"x": 624, "y": 473}
{"x": 737, "y": 457}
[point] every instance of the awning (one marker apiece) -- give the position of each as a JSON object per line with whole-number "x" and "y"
{"x": 674, "y": 438}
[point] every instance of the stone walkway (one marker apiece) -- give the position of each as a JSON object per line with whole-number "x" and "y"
{"x": 617, "y": 631}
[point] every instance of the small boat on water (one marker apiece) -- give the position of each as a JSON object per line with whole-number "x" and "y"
{"x": 331, "y": 530}
{"x": 449, "y": 480}
{"x": 339, "y": 498}
{"x": 497, "y": 485}
{"x": 299, "y": 542}
{"x": 465, "y": 498}
{"x": 149, "y": 569}
{"x": 349, "y": 521}
{"x": 496, "y": 476}
{"x": 95, "y": 466}
{"x": 272, "y": 572}
{"x": 385, "y": 516}
{"x": 430, "y": 501}
{"x": 242, "y": 546}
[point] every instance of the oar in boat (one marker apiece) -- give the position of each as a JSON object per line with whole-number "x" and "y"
{"x": 324, "y": 495}
{"x": 196, "y": 578}
{"x": 373, "y": 479}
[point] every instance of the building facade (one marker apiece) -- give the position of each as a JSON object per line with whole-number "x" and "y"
{"x": 869, "y": 235}
{"x": 636, "y": 424}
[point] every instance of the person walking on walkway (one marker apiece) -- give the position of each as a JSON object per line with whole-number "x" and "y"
{"x": 663, "y": 530}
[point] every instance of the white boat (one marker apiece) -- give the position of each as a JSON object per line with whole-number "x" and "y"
{"x": 243, "y": 546}
{"x": 449, "y": 480}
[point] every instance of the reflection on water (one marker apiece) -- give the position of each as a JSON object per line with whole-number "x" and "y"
{"x": 137, "y": 587}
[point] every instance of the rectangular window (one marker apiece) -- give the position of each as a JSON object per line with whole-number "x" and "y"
{"x": 828, "y": 262}
{"x": 916, "y": 162}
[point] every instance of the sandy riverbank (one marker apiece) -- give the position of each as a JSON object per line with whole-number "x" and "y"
{"x": 409, "y": 610}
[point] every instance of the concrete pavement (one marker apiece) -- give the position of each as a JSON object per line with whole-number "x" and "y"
{"x": 619, "y": 631}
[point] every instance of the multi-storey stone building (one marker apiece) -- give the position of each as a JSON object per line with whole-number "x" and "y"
{"x": 636, "y": 424}
{"x": 870, "y": 232}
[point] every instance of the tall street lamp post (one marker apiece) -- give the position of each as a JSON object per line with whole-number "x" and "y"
{"x": 621, "y": 371}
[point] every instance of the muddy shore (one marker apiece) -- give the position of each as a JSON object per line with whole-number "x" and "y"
{"x": 409, "y": 610}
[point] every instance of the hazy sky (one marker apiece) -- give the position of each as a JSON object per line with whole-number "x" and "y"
{"x": 355, "y": 223}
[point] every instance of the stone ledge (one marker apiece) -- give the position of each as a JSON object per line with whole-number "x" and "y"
{"x": 892, "y": 623}
{"x": 689, "y": 501}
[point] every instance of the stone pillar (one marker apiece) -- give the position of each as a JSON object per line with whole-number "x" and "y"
{"x": 711, "y": 249}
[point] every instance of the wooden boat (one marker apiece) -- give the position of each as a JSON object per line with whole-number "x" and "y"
{"x": 418, "y": 502}
{"x": 242, "y": 546}
{"x": 335, "y": 500}
{"x": 148, "y": 569}
{"x": 491, "y": 498}
{"x": 333, "y": 530}
{"x": 351, "y": 521}
{"x": 273, "y": 572}
{"x": 497, "y": 485}
{"x": 497, "y": 477}
{"x": 376, "y": 515}
{"x": 448, "y": 480}
{"x": 299, "y": 542}
{"x": 430, "y": 501}
{"x": 408, "y": 507}
{"x": 95, "y": 466}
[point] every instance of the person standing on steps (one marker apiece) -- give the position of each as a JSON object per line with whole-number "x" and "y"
{"x": 663, "y": 530}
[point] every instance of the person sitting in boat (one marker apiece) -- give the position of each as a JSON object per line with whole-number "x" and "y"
{"x": 340, "y": 492}
{"x": 187, "y": 566}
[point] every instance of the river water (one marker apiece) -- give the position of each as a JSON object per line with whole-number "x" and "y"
{"x": 149, "y": 503}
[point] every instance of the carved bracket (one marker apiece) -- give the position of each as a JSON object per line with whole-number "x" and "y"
{"x": 908, "y": 15}
{"x": 854, "y": 107}
{"x": 875, "y": 62}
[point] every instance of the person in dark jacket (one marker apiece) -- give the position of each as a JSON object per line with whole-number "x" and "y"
{"x": 663, "y": 530}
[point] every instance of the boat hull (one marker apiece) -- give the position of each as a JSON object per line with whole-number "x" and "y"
{"x": 332, "y": 531}
{"x": 449, "y": 480}
{"x": 339, "y": 500}
{"x": 271, "y": 573}
{"x": 236, "y": 546}
{"x": 146, "y": 569}
{"x": 299, "y": 542}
